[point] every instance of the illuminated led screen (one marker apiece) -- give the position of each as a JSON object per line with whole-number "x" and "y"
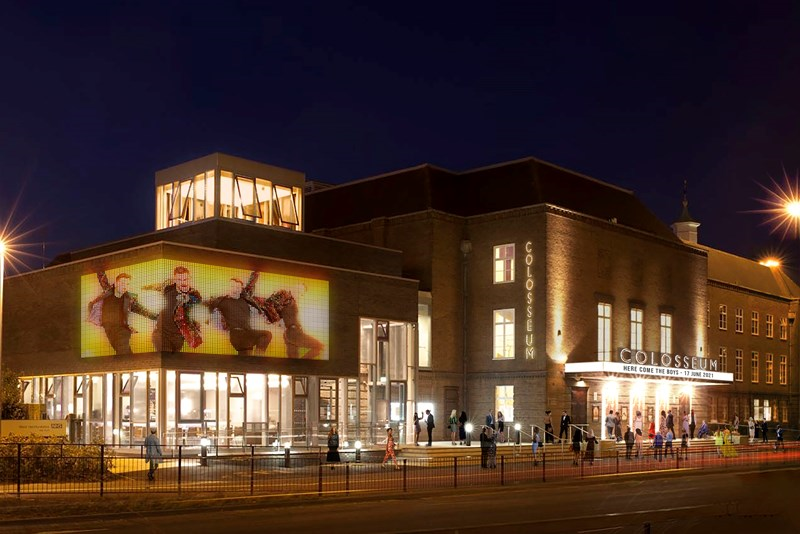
{"x": 165, "y": 305}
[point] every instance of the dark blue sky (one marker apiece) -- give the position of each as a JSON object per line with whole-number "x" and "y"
{"x": 95, "y": 97}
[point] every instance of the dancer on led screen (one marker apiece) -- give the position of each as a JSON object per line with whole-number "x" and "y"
{"x": 235, "y": 311}
{"x": 112, "y": 308}
{"x": 283, "y": 305}
{"x": 175, "y": 324}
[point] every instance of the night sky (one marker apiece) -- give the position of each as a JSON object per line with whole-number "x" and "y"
{"x": 96, "y": 97}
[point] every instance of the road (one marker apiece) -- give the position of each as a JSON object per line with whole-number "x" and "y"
{"x": 756, "y": 501}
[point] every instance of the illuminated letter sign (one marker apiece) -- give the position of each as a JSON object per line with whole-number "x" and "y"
{"x": 529, "y": 355}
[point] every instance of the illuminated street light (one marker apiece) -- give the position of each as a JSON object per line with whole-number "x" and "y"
{"x": 2, "y": 277}
{"x": 468, "y": 430}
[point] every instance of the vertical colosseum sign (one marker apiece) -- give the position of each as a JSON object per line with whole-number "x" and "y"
{"x": 529, "y": 300}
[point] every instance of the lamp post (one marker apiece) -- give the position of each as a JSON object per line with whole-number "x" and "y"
{"x": 468, "y": 430}
{"x": 2, "y": 278}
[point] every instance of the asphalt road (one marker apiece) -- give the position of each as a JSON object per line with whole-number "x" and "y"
{"x": 745, "y": 501}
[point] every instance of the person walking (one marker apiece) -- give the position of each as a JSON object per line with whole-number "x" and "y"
{"x": 462, "y": 427}
{"x": 548, "y": 427}
{"x": 501, "y": 426}
{"x": 333, "y": 446}
{"x": 591, "y": 441}
{"x": 452, "y": 422}
{"x": 577, "y": 439}
{"x": 564, "y": 430}
{"x": 153, "y": 454}
{"x": 764, "y": 430}
{"x": 610, "y": 425}
{"x": 751, "y": 430}
{"x": 417, "y": 428}
{"x": 389, "y": 450}
{"x": 658, "y": 445}
{"x": 629, "y": 441}
{"x": 779, "y": 439}
{"x": 535, "y": 440}
{"x": 431, "y": 426}
{"x": 692, "y": 424}
{"x": 670, "y": 422}
{"x": 617, "y": 427}
{"x": 638, "y": 442}
{"x": 490, "y": 420}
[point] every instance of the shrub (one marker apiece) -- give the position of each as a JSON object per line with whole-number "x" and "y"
{"x": 51, "y": 460}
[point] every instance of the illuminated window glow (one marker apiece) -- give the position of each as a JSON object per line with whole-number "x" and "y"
{"x": 504, "y": 263}
{"x": 666, "y": 333}
{"x": 769, "y": 367}
{"x": 637, "y": 317}
{"x": 504, "y": 334}
{"x": 603, "y": 332}
{"x": 504, "y": 402}
{"x": 754, "y": 367}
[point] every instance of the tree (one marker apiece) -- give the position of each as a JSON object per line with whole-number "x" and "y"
{"x": 11, "y": 395}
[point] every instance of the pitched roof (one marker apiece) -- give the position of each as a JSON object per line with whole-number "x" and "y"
{"x": 505, "y": 186}
{"x": 748, "y": 274}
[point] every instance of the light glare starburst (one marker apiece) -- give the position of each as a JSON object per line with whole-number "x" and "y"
{"x": 782, "y": 206}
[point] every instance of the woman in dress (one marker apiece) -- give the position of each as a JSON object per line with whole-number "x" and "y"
{"x": 452, "y": 422}
{"x": 417, "y": 429}
{"x": 501, "y": 425}
{"x": 389, "y": 450}
{"x": 333, "y": 446}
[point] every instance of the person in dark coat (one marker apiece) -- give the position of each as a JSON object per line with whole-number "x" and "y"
{"x": 484, "y": 448}
{"x": 431, "y": 426}
{"x": 462, "y": 431}
{"x": 764, "y": 429}
{"x": 577, "y": 438}
{"x": 333, "y": 446}
{"x": 565, "y": 422}
{"x": 629, "y": 441}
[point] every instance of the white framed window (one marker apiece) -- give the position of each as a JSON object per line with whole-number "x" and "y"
{"x": 666, "y": 333}
{"x": 604, "y": 332}
{"x": 739, "y": 326}
{"x": 754, "y": 320}
{"x": 738, "y": 370}
{"x": 723, "y": 359}
{"x": 782, "y": 370}
{"x": 424, "y": 333}
{"x": 723, "y": 317}
{"x": 504, "y": 263}
{"x": 504, "y": 334}
{"x": 768, "y": 364}
{"x": 784, "y": 328}
{"x": 770, "y": 322}
{"x": 504, "y": 402}
{"x": 754, "y": 367}
{"x": 637, "y": 317}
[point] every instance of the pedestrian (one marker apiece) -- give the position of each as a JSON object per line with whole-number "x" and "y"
{"x": 535, "y": 440}
{"x": 564, "y": 430}
{"x": 692, "y": 424}
{"x": 719, "y": 441}
{"x": 728, "y": 450}
{"x": 501, "y": 426}
{"x": 670, "y": 422}
{"x": 751, "y": 430}
{"x": 153, "y": 454}
{"x": 617, "y": 427}
{"x": 389, "y": 450}
{"x": 548, "y": 427}
{"x": 685, "y": 424}
{"x": 491, "y": 455}
{"x": 703, "y": 430}
{"x": 610, "y": 425}
{"x": 490, "y": 420}
{"x": 462, "y": 428}
{"x": 764, "y": 430}
{"x": 629, "y": 441}
{"x": 484, "y": 447}
{"x": 333, "y": 446}
{"x": 638, "y": 441}
{"x": 668, "y": 444}
{"x": 417, "y": 428}
{"x": 591, "y": 441}
{"x": 452, "y": 422}
{"x": 779, "y": 438}
{"x": 658, "y": 445}
{"x": 662, "y": 424}
{"x": 684, "y": 446}
{"x": 735, "y": 423}
{"x": 431, "y": 426}
{"x": 638, "y": 422}
{"x": 651, "y": 432}
{"x": 577, "y": 439}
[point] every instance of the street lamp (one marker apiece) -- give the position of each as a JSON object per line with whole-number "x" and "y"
{"x": 517, "y": 428}
{"x": 2, "y": 277}
{"x": 204, "y": 443}
{"x": 468, "y": 430}
{"x": 358, "y": 451}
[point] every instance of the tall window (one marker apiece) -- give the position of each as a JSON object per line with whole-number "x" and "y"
{"x": 754, "y": 319}
{"x": 424, "y": 332}
{"x": 784, "y": 328}
{"x": 770, "y": 321}
{"x": 504, "y": 334}
{"x": 666, "y": 333}
{"x": 723, "y": 317}
{"x": 504, "y": 263}
{"x": 604, "y": 332}
{"x": 782, "y": 370}
{"x": 636, "y": 328}
{"x": 723, "y": 359}
{"x": 738, "y": 370}
{"x": 769, "y": 363}
{"x": 739, "y": 321}
{"x": 504, "y": 401}
{"x": 754, "y": 367}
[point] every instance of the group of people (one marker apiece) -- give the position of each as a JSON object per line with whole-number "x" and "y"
{"x": 428, "y": 420}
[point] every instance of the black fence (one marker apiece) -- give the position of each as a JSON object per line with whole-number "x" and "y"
{"x": 99, "y": 469}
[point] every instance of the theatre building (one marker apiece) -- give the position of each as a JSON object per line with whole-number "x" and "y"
{"x": 544, "y": 289}
{"x": 227, "y": 321}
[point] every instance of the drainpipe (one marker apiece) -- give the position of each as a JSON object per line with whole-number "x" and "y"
{"x": 466, "y": 249}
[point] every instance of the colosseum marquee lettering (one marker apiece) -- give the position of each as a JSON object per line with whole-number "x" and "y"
{"x": 640, "y": 357}
{"x": 528, "y": 300}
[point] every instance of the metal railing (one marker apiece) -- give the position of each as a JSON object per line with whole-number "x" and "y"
{"x": 100, "y": 469}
